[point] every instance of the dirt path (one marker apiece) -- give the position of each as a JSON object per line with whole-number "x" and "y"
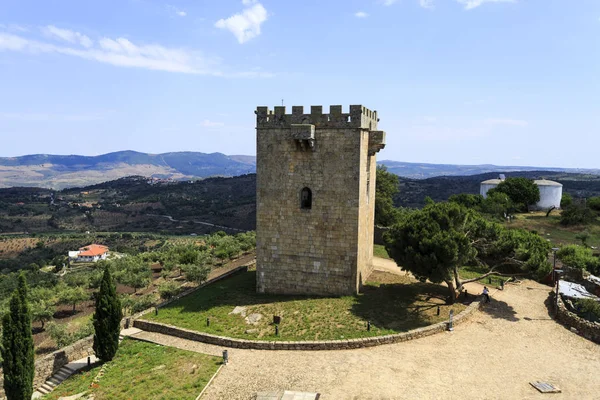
{"x": 511, "y": 342}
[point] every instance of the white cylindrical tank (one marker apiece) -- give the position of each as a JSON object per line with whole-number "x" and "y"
{"x": 488, "y": 185}
{"x": 550, "y": 194}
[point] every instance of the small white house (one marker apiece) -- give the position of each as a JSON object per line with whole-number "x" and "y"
{"x": 91, "y": 253}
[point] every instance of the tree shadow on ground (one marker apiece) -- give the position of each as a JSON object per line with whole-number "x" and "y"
{"x": 499, "y": 309}
{"x": 402, "y": 306}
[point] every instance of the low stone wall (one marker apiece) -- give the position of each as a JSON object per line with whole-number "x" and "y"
{"x": 305, "y": 345}
{"x": 589, "y": 330}
{"x": 49, "y": 364}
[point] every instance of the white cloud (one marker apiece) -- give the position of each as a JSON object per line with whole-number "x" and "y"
{"x": 470, "y": 4}
{"x": 426, "y": 4}
{"x": 122, "y": 52}
{"x": 211, "y": 124}
{"x": 361, "y": 14}
{"x": 245, "y": 25}
{"x": 388, "y": 2}
{"x": 506, "y": 122}
{"x": 68, "y": 36}
{"x": 176, "y": 11}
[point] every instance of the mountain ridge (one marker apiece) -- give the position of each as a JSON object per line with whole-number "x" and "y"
{"x": 64, "y": 171}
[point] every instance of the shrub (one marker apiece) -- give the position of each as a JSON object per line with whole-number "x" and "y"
{"x": 594, "y": 203}
{"x": 168, "y": 290}
{"x": 579, "y": 258}
{"x": 576, "y": 214}
{"x": 588, "y": 309}
{"x": 142, "y": 303}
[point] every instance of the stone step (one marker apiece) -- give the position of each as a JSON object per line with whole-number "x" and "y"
{"x": 42, "y": 390}
{"x": 52, "y": 384}
{"x": 47, "y": 388}
{"x": 53, "y": 381}
{"x": 61, "y": 375}
{"x": 66, "y": 368}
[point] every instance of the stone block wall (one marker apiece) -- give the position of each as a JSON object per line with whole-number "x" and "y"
{"x": 587, "y": 329}
{"x": 327, "y": 249}
{"x": 49, "y": 364}
{"x": 151, "y": 326}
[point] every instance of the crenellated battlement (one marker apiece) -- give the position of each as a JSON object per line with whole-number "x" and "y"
{"x": 358, "y": 117}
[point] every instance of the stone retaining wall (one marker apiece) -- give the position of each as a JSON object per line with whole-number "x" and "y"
{"x": 47, "y": 365}
{"x": 589, "y": 330}
{"x": 305, "y": 345}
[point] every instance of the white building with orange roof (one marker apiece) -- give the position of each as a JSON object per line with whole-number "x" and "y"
{"x": 91, "y": 253}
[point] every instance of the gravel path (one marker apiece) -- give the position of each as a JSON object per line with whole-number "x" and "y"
{"x": 495, "y": 355}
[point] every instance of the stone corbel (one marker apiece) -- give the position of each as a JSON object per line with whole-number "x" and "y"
{"x": 376, "y": 142}
{"x": 304, "y": 136}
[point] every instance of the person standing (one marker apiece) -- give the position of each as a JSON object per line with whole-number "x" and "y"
{"x": 486, "y": 293}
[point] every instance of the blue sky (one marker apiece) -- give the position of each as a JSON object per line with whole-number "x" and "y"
{"x": 454, "y": 81}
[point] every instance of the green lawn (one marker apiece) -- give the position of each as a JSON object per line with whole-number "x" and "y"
{"x": 380, "y": 251}
{"x": 145, "y": 371}
{"x": 392, "y": 303}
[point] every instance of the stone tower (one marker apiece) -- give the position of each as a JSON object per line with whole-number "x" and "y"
{"x": 315, "y": 197}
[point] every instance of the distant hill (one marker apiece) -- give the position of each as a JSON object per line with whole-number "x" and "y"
{"x": 59, "y": 171}
{"x": 424, "y": 171}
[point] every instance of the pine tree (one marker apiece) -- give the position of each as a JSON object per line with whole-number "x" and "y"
{"x": 17, "y": 346}
{"x": 107, "y": 319}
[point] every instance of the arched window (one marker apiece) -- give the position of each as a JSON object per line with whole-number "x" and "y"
{"x": 306, "y": 199}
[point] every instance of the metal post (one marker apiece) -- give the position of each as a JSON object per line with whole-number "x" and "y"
{"x": 557, "y": 294}
{"x": 368, "y": 326}
{"x": 225, "y": 357}
{"x": 438, "y": 310}
{"x": 502, "y": 284}
{"x": 450, "y": 323}
{"x": 89, "y": 361}
{"x": 207, "y": 321}
{"x": 276, "y": 330}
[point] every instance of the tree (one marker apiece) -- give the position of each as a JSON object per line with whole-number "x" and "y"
{"x": 386, "y": 187}
{"x": 466, "y": 199}
{"x": 72, "y": 295}
{"x": 433, "y": 243}
{"x": 132, "y": 271}
{"x": 566, "y": 200}
{"x": 522, "y": 191}
{"x": 107, "y": 319}
{"x": 17, "y": 346}
{"x": 42, "y": 311}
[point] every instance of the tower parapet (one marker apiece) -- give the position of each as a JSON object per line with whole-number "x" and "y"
{"x": 358, "y": 117}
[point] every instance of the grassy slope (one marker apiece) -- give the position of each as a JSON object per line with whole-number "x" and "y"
{"x": 392, "y": 303}
{"x": 145, "y": 371}
{"x": 551, "y": 229}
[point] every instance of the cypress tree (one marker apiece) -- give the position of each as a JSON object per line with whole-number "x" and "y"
{"x": 17, "y": 346}
{"x": 107, "y": 319}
